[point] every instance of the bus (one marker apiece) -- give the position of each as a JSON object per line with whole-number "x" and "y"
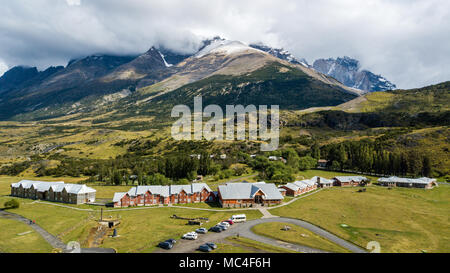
{"x": 239, "y": 218}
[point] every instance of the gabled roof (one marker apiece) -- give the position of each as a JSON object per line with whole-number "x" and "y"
{"x": 292, "y": 186}
{"x": 42, "y": 186}
{"x": 351, "y": 178}
{"x": 78, "y": 189}
{"x": 395, "y": 179}
{"x": 322, "y": 180}
{"x": 248, "y": 191}
{"x": 166, "y": 191}
{"x": 26, "y": 184}
{"x": 118, "y": 196}
{"x": 307, "y": 182}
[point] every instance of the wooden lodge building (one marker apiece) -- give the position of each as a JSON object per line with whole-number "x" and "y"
{"x": 394, "y": 181}
{"x": 54, "y": 191}
{"x": 242, "y": 195}
{"x": 349, "y": 181}
{"x": 300, "y": 187}
{"x": 164, "y": 195}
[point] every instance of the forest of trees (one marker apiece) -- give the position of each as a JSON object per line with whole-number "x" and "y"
{"x": 372, "y": 157}
{"x": 180, "y": 167}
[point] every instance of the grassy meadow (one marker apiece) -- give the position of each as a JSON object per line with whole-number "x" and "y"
{"x": 296, "y": 235}
{"x": 400, "y": 219}
{"x": 17, "y": 237}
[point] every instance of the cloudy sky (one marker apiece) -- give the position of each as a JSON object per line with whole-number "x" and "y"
{"x": 407, "y": 41}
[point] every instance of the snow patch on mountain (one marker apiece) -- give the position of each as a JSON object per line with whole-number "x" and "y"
{"x": 281, "y": 54}
{"x": 164, "y": 59}
{"x": 348, "y": 71}
{"x": 223, "y": 46}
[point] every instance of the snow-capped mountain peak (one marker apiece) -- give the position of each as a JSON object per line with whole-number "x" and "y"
{"x": 223, "y": 46}
{"x": 281, "y": 54}
{"x": 348, "y": 71}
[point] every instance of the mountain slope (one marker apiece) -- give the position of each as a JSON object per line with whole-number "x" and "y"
{"x": 427, "y": 106}
{"x": 347, "y": 71}
{"x": 281, "y": 54}
{"x": 272, "y": 84}
{"x": 91, "y": 84}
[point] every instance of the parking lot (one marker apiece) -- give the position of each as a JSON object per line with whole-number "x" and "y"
{"x": 187, "y": 246}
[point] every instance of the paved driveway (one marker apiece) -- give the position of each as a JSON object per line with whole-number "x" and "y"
{"x": 244, "y": 230}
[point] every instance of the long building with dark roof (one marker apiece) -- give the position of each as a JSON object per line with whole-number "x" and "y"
{"x": 165, "y": 195}
{"x": 54, "y": 191}
{"x": 240, "y": 195}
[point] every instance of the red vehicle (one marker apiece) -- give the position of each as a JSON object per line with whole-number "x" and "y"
{"x": 229, "y": 222}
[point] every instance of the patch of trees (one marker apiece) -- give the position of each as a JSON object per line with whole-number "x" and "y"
{"x": 11, "y": 204}
{"x": 15, "y": 169}
{"x": 373, "y": 157}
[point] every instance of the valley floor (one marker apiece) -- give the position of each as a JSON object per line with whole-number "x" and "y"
{"x": 401, "y": 220}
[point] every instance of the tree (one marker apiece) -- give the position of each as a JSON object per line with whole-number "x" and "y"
{"x": 116, "y": 178}
{"x": 12, "y": 204}
{"x": 315, "y": 150}
{"x": 426, "y": 170}
{"x": 335, "y": 165}
{"x": 292, "y": 158}
{"x": 159, "y": 179}
{"x": 306, "y": 163}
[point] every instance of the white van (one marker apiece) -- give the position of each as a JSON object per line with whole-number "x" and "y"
{"x": 238, "y": 218}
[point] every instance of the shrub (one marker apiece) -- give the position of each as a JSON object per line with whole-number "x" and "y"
{"x": 12, "y": 204}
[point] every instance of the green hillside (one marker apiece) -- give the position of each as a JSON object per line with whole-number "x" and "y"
{"x": 274, "y": 84}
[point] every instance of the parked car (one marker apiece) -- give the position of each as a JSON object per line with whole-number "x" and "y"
{"x": 215, "y": 229}
{"x": 172, "y": 241}
{"x": 205, "y": 248}
{"x": 202, "y": 230}
{"x": 211, "y": 245}
{"x": 229, "y": 221}
{"x": 190, "y": 236}
{"x": 225, "y": 224}
{"x": 165, "y": 245}
{"x": 223, "y": 227}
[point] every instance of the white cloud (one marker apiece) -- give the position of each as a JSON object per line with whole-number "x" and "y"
{"x": 405, "y": 41}
{"x": 3, "y": 68}
{"x": 73, "y": 2}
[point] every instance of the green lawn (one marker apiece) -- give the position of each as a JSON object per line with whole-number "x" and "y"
{"x": 62, "y": 222}
{"x": 401, "y": 219}
{"x": 142, "y": 230}
{"x": 258, "y": 245}
{"x": 13, "y": 241}
{"x": 296, "y": 235}
{"x": 234, "y": 244}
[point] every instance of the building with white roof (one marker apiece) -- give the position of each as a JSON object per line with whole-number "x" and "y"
{"x": 249, "y": 194}
{"x": 323, "y": 182}
{"x": 300, "y": 187}
{"x": 155, "y": 195}
{"x": 54, "y": 191}
{"x": 348, "y": 181}
{"x": 394, "y": 181}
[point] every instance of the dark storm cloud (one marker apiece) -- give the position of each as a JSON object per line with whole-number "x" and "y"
{"x": 406, "y": 41}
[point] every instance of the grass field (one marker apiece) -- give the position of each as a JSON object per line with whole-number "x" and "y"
{"x": 401, "y": 219}
{"x": 296, "y": 235}
{"x": 142, "y": 230}
{"x": 244, "y": 245}
{"x": 13, "y": 241}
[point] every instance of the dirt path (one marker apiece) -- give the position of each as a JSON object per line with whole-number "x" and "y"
{"x": 54, "y": 241}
